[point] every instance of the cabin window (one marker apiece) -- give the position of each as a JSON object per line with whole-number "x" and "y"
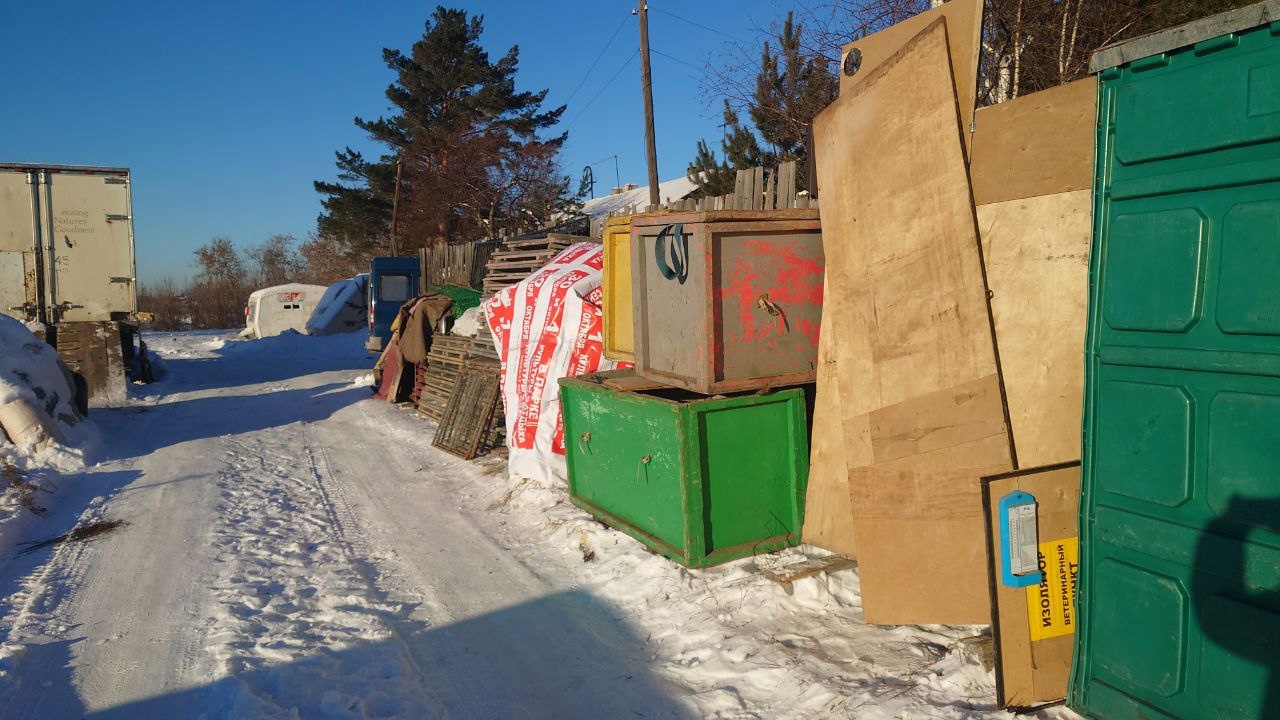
{"x": 393, "y": 288}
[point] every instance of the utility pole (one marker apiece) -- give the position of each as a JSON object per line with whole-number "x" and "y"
{"x": 646, "y": 86}
{"x": 395, "y": 211}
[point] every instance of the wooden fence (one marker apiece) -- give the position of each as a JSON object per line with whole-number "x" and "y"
{"x": 456, "y": 263}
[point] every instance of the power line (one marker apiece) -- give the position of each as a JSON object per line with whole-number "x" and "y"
{"x": 696, "y": 24}
{"x": 608, "y": 43}
{"x": 676, "y": 59}
{"x": 607, "y": 83}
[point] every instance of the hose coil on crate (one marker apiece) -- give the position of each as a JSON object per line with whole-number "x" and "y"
{"x": 678, "y": 268}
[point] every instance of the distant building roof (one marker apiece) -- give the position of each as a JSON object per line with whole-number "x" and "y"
{"x": 670, "y": 190}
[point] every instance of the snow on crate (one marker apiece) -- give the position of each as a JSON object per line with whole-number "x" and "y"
{"x": 546, "y": 327}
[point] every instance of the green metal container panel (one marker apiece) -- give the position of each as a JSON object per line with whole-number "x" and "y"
{"x": 1179, "y": 599}
{"x": 700, "y": 480}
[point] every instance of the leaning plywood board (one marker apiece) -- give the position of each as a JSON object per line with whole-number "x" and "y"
{"x": 1038, "y": 144}
{"x": 922, "y": 406}
{"x": 828, "y": 514}
{"x": 964, "y": 32}
{"x": 1034, "y": 626}
{"x": 1037, "y": 259}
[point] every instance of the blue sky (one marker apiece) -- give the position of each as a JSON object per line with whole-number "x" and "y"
{"x": 227, "y": 111}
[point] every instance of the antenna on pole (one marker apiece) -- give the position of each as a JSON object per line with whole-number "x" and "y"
{"x": 588, "y": 181}
{"x": 395, "y": 209}
{"x": 646, "y": 87}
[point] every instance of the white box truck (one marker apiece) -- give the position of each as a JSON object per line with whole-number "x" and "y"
{"x": 67, "y": 262}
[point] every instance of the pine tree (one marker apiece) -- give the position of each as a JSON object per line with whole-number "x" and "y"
{"x": 790, "y": 90}
{"x": 741, "y": 151}
{"x": 462, "y": 131}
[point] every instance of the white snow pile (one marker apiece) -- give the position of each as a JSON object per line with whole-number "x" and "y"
{"x": 42, "y": 434}
{"x": 37, "y": 401}
{"x": 342, "y": 309}
{"x": 745, "y": 645}
{"x": 289, "y": 343}
{"x": 186, "y": 345}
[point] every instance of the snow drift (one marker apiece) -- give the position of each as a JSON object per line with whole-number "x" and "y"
{"x": 342, "y": 309}
{"x": 37, "y": 396}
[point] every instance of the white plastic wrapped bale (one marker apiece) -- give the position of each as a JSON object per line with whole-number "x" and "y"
{"x": 342, "y": 309}
{"x": 270, "y": 311}
{"x": 546, "y": 327}
{"x": 468, "y": 324}
{"x": 37, "y": 401}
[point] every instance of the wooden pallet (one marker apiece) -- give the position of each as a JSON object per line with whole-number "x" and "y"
{"x": 482, "y": 346}
{"x": 468, "y": 418}
{"x": 444, "y": 364}
{"x": 419, "y": 380}
{"x": 518, "y": 259}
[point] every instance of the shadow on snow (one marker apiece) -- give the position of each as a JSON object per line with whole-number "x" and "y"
{"x": 566, "y": 655}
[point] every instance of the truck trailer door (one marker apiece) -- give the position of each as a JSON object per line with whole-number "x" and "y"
{"x": 18, "y": 294}
{"x": 91, "y": 244}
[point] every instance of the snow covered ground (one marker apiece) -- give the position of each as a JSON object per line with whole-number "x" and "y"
{"x": 295, "y": 549}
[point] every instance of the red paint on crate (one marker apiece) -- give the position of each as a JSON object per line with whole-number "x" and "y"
{"x": 797, "y": 281}
{"x": 740, "y": 287}
{"x": 799, "y": 278}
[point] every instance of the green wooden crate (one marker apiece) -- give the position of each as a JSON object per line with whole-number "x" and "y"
{"x": 700, "y": 480}
{"x": 1178, "y": 612}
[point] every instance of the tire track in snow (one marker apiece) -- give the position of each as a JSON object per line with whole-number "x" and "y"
{"x": 301, "y": 624}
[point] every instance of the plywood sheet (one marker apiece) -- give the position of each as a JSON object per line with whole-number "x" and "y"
{"x": 921, "y": 402}
{"x": 1034, "y": 672}
{"x": 1038, "y": 144}
{"x": 1037, "y": 259}
{"x": 963, "y": 20}
{"x": 828, "y": 512}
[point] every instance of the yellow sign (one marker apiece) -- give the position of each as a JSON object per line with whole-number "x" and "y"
{"x": 1051, "y": 605}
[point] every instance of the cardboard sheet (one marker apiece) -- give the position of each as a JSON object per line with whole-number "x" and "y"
{"x": 921, "y": 400}
{"x": 1034, "y": 626}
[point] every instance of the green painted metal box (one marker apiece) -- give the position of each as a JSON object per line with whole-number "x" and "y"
{"x": 700, "y": 480}
{"x": 1178, "y": 608}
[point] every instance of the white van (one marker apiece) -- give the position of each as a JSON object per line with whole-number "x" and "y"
{"x": 271, "y": 311}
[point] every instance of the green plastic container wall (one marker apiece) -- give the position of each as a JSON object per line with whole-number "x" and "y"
{"x": 1179, "y": 598}
{"x": 702, "y": 481}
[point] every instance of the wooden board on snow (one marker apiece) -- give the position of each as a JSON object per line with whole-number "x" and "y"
{"x": 468, "y": 417}
{"x": 922, "y": 405}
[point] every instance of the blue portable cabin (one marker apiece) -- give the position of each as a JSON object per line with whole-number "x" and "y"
{"x": 392, "y": 281}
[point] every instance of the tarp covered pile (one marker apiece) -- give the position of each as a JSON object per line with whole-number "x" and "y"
{"x": 342, "y": 309}
{"x": 37, "y": 395}
{"x": 547, "y": 327}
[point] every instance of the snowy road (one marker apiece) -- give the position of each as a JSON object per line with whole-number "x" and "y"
{"x": 294, "y": 549}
